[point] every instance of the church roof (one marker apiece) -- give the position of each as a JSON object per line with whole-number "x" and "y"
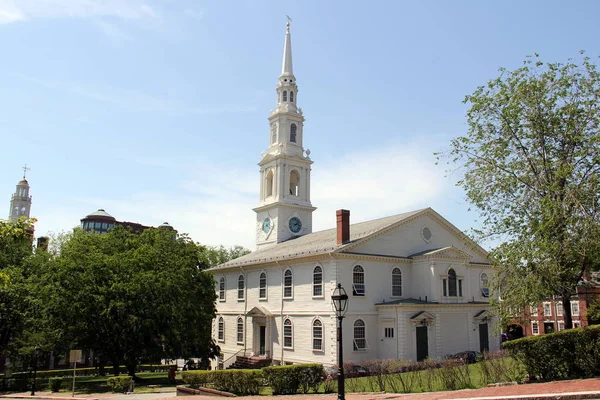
{"x": 315, "y": 243}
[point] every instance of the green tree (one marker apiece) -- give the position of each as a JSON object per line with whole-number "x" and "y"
{"x": 530, "y": 163}
{"x": 133, "y": 297}
{"x": 215, "y": 255}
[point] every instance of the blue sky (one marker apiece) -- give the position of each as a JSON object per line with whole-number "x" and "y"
{"x": 157, "y": 110}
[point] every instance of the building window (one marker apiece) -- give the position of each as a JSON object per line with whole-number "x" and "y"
{"x": 358, "y": 281}
{"x": 576, "y": 324}
{"x": 460, "y": 293}
{"x": 240, "y": 330}
{"x": 396, "y": 282}
{"x": 547, "y": 310}
{"x": 561, "y": 326}
{"x": 222, "y": 289}
{"x": 288, "y": 281}
{"x": 262, "y": 286}
{"x": 288, "y": 339}
{"x": 269, "y": 183}
{"x": 452, "y": 292}
{"x": 317, "y": 330}
{"x": 388, "y": 332}
{"x": 285, "y": 95}
{"x": 241, "y": 287}
{"x": 291, "y": 96}
{"x": 293, "y": 131}
{"x": 559, "y": 309}
{"x": 484, "y": 285}
{"x": 318, "y": 281}
{"x": 533, "y": 311}
{"x": 221, "y": 335}
{"x": 445, "y": 287}
{"x": 575, "y": 308}
{"x": 535, "y": 328}
{"x": 360, "y": 337}
{"x": 294, "y": 180}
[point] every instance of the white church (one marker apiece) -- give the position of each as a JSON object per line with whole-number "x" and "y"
{"x": 417, "y": 285}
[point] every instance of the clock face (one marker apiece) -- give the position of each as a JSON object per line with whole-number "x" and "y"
{"x": 266, "y": 225}
{"x": 295, "y": 224}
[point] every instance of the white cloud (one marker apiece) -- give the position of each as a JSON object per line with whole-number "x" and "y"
{"x": 216, "y": 208}
{"x": 13, "y": 11}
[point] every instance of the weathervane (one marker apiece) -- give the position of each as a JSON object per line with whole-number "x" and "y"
{"x": 25, "y": 169}
{"x": 289, "y": 21}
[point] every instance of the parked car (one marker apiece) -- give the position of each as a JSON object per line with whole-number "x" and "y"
{"x": 468, "y": 357}
{"x": 355, "y": 371}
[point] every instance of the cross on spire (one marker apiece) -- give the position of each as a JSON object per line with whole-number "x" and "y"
{"x": 25, "y": 169}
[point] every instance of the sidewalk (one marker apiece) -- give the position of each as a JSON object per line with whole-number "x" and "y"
{"x": 561, "y": 390}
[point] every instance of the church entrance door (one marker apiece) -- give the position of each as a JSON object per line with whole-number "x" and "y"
{"x": 484, "y": 340}
{"x": 422, "y": 343}
{"x": 262, "y": 340}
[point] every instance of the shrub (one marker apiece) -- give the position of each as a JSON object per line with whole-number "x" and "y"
{"x": 287, "y": 379}
{"x": 119, "y": 384}
{"x": 572, "y": 353}
{"x": 55, "y": 383}
{"x": 237, "y": 381}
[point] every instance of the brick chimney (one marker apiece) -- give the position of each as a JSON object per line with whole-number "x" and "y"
{"x": 343, "y": 226}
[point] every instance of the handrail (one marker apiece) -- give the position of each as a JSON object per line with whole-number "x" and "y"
{"x": 225, "y": 364}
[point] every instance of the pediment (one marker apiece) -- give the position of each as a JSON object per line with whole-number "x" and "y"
{"x": 422, "y": 318}
{"x": 447, "y": 253}
{"x": 259, "y": 311}
{"x": 483, "y": 316}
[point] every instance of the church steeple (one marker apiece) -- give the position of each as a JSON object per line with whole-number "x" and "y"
{"x": 20, "y": 202}
{"x": 285, "y": 210}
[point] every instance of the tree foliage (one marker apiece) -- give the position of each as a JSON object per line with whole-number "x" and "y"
{"x": 215, "y": 255}
{"x": 530, "y": 164}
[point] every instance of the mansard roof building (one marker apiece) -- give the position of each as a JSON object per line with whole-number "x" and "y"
{"x": 417, "y": 285}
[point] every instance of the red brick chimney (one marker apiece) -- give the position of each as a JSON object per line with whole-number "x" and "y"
{"x": 343, "y": 226}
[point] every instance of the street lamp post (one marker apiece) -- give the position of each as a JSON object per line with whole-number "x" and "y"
{"x": 340, "y": 304}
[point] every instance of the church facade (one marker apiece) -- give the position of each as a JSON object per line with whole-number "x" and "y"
{"x": 417, "y": 285}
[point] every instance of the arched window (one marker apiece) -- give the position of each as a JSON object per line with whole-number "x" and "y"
{"x": 396, "y": 282}
{"x": 291, "y": 96}
{"x": 269, "y": 183}
{"x": 288, "y": 331}
{"x": 285, "y": 95}
{"x": 221, "y": 334}
{"x": 294, "y": 181}
{"x": 293, "y": 131}
{"x": 222, "y": 289}
{"x": 318, "y": 281}
{"x": 358, "y": 281}
{"x": 288, "y": 282}
{"x": 452, "y": 289}
{"x": 360, "y": 335}
{"x": 317, "y": 333}
{"x": 262, "y": 286}
{"x": 241, "y": 287}
{"x": 240, "y": 330}
{"x": 484, "y": 285}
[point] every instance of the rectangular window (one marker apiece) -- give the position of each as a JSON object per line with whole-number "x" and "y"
{"x": 533, "y": 310}
{"x": 575, "y": 308}
{"x": 358, "y": 289}
{"x": 460, "y": 287}
{"x": 559, "y": 309}
{"x": 547, "y": 310}
{"x": 388, "y": 332}
{"x": 485, "y": 292}
{"x": 445, "y": 287}
{"x": 240, "y": 331}
{"x": 287, "y": 336}
{"x": 317, "y": 337}
{"x": 561, "y": 326}
{"x": 535, "y": 328}
{"x": 262, "y": 283}
{"x": 288, "y": 281}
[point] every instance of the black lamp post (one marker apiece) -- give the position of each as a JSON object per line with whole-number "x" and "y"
{"x": 340, "y": 304}
{"x": 35, "y": 362}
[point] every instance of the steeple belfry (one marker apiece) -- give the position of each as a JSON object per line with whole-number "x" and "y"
{"x": 284, "y": 209}
{"x": 20, "y": 202}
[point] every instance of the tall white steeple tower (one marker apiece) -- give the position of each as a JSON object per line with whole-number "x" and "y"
{"x": 284, "y": 210}
{"x": 20, "y": 202}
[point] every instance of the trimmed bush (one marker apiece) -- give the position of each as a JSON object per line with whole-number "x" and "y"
{"x": 237, "y": 381}
{"x": 55, "y": 383}
{"x": 568, "y": 354}
{"x": 287, "y": 379}
{"x": 119, "y": 384}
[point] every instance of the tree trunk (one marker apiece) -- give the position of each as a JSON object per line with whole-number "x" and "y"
{"x": 131, "y": 369}
{"x": 115, "y": 367}
{"x": 567, "y": 315}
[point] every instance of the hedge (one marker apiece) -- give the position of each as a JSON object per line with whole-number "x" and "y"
{"x": 237, "y": 381}
{"x": 567, "y": 354}
{"x": 119, "y": 384}
{"x": 287, "y": 379}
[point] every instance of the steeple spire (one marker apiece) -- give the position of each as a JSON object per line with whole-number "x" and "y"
{"x": 286, "y": 68}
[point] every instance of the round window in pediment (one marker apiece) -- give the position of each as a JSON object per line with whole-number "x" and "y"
{"x": 426, "y": 234}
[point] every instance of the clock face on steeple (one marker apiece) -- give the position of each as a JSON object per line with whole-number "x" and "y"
{"x": 295, "y": 224}
{"x": 266, "y": 225}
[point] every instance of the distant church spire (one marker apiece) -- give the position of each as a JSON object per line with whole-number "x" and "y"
{"x": 20, "y": 202}
{"x": 284, "y": 210}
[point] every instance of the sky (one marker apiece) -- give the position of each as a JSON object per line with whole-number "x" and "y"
{"x": 157, "y": 110}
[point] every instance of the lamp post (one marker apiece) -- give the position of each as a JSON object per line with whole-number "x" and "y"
{"x": 340, "y": 304}
{"x": 35, "y": 362}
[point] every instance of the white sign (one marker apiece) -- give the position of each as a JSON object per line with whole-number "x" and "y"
{"x": 75, "y": 356}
